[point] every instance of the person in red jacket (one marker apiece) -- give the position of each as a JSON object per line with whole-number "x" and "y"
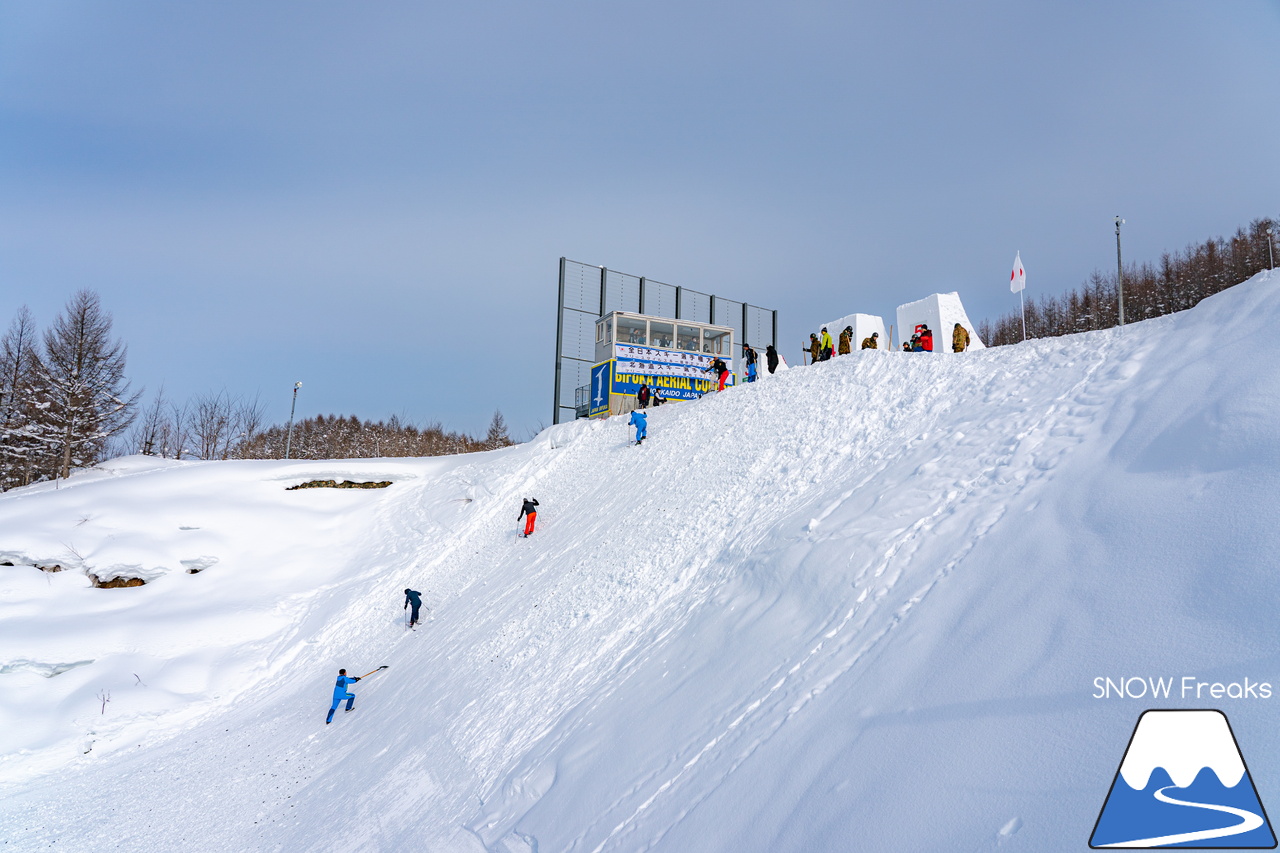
{"x": 926, "y": 337}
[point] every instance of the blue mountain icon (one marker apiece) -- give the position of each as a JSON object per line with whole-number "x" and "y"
{"x": 1183, "y": 783}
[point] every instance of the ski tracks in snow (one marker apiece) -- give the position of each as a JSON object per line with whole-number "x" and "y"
{"x": 1044, "y": 424}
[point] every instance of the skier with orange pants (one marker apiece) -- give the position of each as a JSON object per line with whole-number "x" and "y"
{"x": 528, "y": 512}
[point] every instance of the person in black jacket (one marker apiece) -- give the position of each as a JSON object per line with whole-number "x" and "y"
{"x": 721, "y": 370}
{"x": 771, "y": 358}
{"x": 412, "y": 596}
{"x": 529, "y": 512}
{"x": 642, "y": 396}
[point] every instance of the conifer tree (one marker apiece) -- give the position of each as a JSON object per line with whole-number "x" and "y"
{"x": 19, "y": 402}
{"x": 497, "y": 435}
{"x": 82, "y": 374}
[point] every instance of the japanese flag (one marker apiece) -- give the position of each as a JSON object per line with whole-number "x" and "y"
{"x": 1018, "y": 279}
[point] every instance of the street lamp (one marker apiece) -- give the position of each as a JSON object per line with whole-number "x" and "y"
{"x": 288, "y": 441}
{"x": 1271, "y": 236}
{"x": 1119, "y": 270}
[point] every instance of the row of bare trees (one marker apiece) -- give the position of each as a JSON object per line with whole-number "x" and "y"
{"x": 1178, "y": 282}
{"x": 220, "y": 426}
{"x": 65, "y": 403}
{"x": 330, "y": 437}
{"x": 211, "y": 426}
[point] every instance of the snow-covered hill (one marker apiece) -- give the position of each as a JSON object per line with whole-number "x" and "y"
{"x": 860, "y": 606}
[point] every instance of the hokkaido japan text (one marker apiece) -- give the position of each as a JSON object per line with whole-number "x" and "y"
{"x": 1187, "y": 687}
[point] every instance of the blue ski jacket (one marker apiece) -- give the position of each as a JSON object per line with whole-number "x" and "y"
{"x": 412, "y": 596}
{"x": 340, "y": 688}
{"x": 639, "y": 420}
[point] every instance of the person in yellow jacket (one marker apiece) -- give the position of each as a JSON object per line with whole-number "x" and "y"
{"x": 815, "y": 349}
{"x": 872, "y": 342}
{"x": 846, "y": 340}
{"x": 959, "y": 338}
{"x": 828, "y": 345}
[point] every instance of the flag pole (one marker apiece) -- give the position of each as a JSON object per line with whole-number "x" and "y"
{"x": 1018, "y": 282}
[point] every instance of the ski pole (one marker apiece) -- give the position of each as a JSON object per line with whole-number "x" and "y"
{"x": 379, "y": 669}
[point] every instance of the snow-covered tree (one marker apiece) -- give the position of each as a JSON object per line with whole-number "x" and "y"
{"x": 82, "y": 378}
{"x": 19, "y": 402}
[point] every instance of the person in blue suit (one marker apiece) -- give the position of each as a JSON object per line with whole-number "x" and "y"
{"x": 340, "y": 693}
{"x": 639, "y": 420}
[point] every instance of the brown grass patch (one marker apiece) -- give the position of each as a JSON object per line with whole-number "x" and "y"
{"x": 334, "y": 484}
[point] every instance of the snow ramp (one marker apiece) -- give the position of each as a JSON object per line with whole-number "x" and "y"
{"x": 861, "y": 606}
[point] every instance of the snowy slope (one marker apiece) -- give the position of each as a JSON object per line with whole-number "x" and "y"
{"x": 859, "y": 606}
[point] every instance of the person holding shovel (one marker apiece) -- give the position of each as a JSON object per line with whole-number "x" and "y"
{"x": 340, "y": 691}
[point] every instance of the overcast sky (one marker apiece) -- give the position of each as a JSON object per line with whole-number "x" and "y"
{"x": 373, "y": 198}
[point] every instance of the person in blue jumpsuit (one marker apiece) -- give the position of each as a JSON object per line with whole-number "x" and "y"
{"x": 750, "y": 355}
{"x": 412, "y": 596}
{"x": 340, "y": 693}
{"x": 639, "y": 420}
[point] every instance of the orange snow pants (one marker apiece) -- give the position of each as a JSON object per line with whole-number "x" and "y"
{"x": 528, "y": 523}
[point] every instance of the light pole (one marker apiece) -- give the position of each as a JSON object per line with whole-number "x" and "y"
{"x": 1271, "y": 236}
{"x": 1119, "y": 270}
{"x": 288, "y": 441}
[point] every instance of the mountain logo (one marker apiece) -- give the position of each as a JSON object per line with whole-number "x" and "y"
{"x": 1183, "y": 783}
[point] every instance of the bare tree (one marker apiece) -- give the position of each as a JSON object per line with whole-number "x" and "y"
{"x": 210, "y": 423}
{"x": 177, "y": 436}
{"x": 161, "y": 429}
{"x": 147, "y": 436}
{"x": 248, "y": 420}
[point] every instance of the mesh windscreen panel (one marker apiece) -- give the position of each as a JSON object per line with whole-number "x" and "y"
{"x": 659, "y": 299}
{"x": 582, "y": 287}
{"x": 728, "y": 313}
{"x": 695, "y": 306}
{"x": 621, "y": 292}
{"x": 578, "y": 335}
{"x": 759, "y": 330}
{"x": 573, "y": 375}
